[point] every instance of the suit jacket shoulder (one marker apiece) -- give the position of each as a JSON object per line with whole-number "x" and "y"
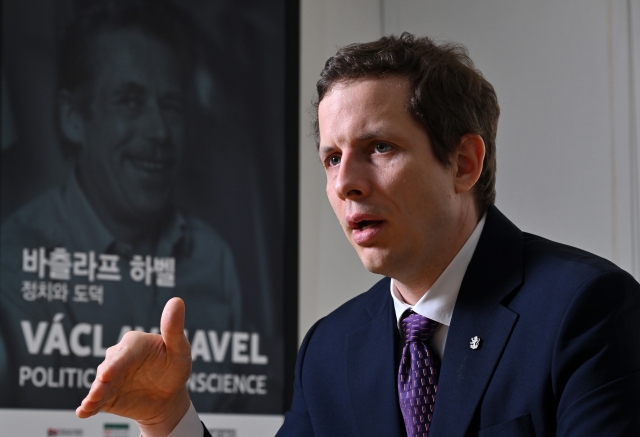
{"x": 560, "y": 342}
{"x": 345, "y": 372}
{"x": 358, "y": 310}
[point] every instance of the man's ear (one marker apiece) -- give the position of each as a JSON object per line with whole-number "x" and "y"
{"x": 468, "y": 161}
{"x": 71, "y": 120}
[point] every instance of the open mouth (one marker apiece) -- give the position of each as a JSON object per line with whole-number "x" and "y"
{"x": 364, "y": 231}
{"x": 365, "y": 224}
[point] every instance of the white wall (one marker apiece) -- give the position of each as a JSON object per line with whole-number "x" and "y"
{"x": 330, "y": 271}
{"x": 567, "y": 75}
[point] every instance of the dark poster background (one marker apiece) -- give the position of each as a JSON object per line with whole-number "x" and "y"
{"x": 233, "y": 178}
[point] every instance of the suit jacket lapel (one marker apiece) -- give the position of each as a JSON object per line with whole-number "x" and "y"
{"x": 372, "y": 370}
{"x": 495, "y": 271}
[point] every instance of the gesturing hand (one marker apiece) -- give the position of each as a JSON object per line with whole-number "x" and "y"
{"x": 144, "y": 376}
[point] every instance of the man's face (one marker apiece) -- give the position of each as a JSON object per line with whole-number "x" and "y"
{"x": 396, "y": 203}
{"x": 134, "y": 132}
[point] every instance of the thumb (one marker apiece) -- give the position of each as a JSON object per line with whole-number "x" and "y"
{"x": 172, "y": 327}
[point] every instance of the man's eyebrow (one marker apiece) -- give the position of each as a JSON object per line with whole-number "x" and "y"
{"x": 377, "y": 133}
{"x": 139, "y": 88}
{"x": 173, "y": 94}
{"x": 365, "y": 136}
{"x": 129, "y": 87}
{"x": 323, "y": 150}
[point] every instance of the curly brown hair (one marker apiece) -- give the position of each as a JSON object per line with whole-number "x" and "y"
{"x": 449, "y": 97}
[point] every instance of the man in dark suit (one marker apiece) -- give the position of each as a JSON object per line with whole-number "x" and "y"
{"x": 478, "y": 329}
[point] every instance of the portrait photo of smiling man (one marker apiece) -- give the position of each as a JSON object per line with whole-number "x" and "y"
{"x": 108, "y": 247}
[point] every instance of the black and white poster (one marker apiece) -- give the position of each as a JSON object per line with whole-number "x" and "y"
{"x": 146, "y": 154}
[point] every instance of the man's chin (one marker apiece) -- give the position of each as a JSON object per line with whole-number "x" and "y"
{"x": 153, "y": 212}
{"x": 374, "y": 261}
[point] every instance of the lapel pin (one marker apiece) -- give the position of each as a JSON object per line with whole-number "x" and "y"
{"x": 475, "y": 342}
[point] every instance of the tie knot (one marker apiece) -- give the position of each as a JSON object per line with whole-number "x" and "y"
{"x": 416, "y": 327}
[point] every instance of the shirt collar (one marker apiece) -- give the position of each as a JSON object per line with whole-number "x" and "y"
{"x": 89, "y": 232}
{"x": 437, "y": 303}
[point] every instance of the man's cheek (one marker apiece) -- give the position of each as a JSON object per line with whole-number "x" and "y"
{"x": 336, "y": 204}
{"x": 123, "y": 129}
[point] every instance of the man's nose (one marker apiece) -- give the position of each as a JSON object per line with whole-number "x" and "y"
{"x": 352, "y": 178}
{"x": 155, "y": 126}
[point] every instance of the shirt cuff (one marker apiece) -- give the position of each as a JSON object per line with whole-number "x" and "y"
{"x": 189, "y": 425}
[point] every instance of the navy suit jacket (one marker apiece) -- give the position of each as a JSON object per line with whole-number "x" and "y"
{"x": 559, "y": 352}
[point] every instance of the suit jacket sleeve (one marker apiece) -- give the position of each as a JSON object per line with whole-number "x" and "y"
{"x": 596, "y": 360}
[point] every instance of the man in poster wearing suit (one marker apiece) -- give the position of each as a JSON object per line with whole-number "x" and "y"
{"x": 477, "y": 329}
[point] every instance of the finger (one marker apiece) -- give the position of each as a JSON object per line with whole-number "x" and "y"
{"x": 98, "y": 390}
{"x": 82, "y": 414}
{"x": 89, "y": 407}
{"x": 95, "y": 396}
{"x": 172, "y": 327}
{"x": 100, "y": 395}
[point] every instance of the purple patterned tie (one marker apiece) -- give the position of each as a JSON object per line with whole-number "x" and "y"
{"x": 418, "y": 374}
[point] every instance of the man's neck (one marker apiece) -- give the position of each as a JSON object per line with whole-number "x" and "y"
{"x": 413, "y": 287}
{"x": 141, "y": 235}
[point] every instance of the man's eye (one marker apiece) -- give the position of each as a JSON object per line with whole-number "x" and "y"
{"x": 172, "y": 105}
{"x": 382, "y": 147}
{"x": 131, "y": 102}
{"x": 333, "y": 161}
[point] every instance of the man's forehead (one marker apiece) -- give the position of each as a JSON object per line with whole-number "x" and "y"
{"x": 130, "y": 55}
{"x": 374, "y": 87}
{"x": 127, "y": 45}
{"x": 363, "y": 108}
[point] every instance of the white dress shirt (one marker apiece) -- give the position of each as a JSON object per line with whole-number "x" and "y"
{"x": 437, "y": 304}
{"x": 189, "y": 425}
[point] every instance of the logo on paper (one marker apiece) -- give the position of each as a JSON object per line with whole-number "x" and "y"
{"x": 51, "y": 432}
{"x": 116, "y": 430}
{"x": 216, "y": 432}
